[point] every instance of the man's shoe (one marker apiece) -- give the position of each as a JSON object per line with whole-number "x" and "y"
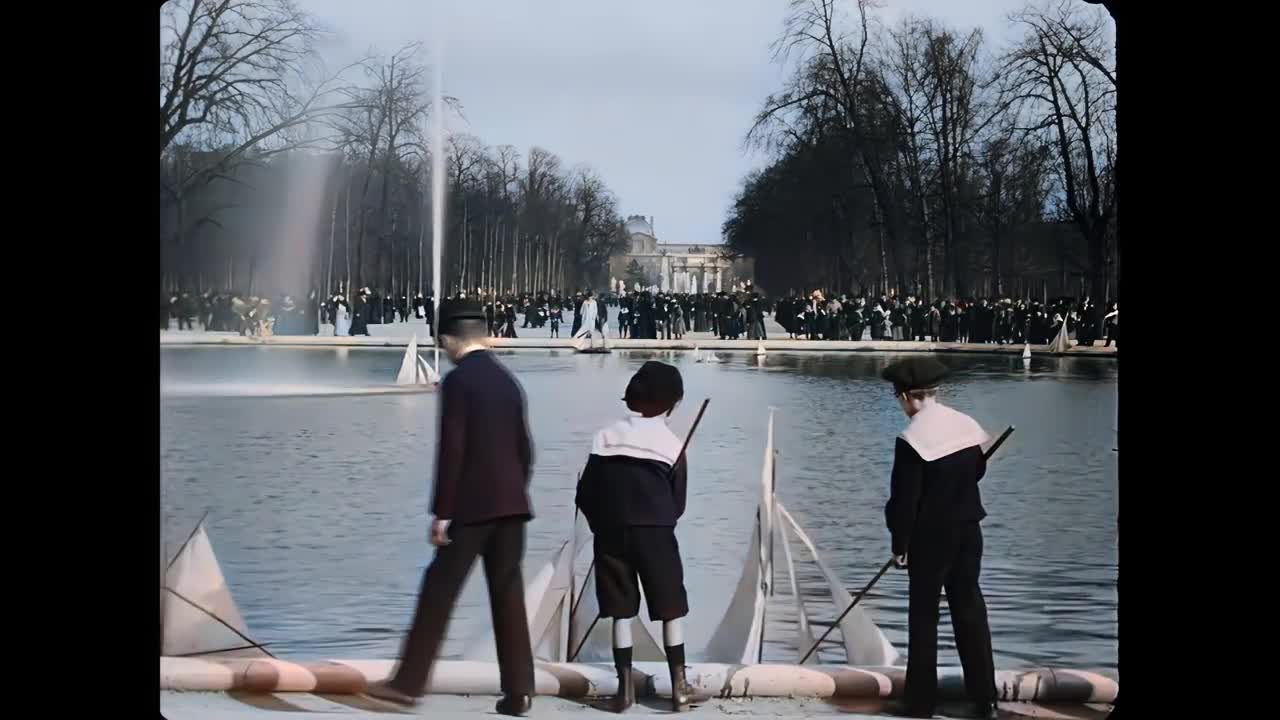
{"x": 383, "y": 691}
{"x": 515, "y": 705}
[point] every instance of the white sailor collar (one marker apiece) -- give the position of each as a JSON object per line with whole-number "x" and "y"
{"x": 638, "y": 437}
{"x": 938, "y": 431}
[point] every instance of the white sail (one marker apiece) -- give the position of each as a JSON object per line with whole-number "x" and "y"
{"x": 804, "y": 634}
{"x": 864, "y": 643}
{"x": 409, "y": 373}
{"x": 1062, "y": 342}
{"x": 739, "y": 637}
{"x": 1026, "y": 351}
{"x": 760, "y": 351}
{"x": 199, "y": 616}
{"x": 428, "y": 374}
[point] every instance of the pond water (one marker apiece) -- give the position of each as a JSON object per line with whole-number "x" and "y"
{"x": 317, "y": 505}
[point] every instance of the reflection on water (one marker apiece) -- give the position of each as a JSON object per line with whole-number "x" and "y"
{"x": 318, "y": 505}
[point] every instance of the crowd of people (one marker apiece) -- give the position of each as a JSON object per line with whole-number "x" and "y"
{"x": 666, "y": 316}
{"x": 247, "y": 314}
{"x": 999, "y": 321}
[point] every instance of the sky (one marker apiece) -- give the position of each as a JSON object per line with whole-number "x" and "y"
{"x": 655, "y": 95}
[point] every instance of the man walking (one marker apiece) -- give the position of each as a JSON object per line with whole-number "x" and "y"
{"x": 933, "y": 513}
{"x": 481, "y": 504}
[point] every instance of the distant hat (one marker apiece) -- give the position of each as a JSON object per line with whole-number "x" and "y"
{"x": 915, "y": 373}
{"x": 452, "y": 311}
{"x": 654, "y": 389}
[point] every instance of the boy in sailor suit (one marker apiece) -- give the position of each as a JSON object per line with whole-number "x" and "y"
{"x": 933, "y": 514}
{"x": 632, "y": 492}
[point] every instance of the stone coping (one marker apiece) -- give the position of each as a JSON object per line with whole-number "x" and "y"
{"x": 869, "y": 346}
{"x": 579, "y": 680}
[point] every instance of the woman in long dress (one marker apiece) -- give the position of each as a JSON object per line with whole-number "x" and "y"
{"x": 342, "y": 317}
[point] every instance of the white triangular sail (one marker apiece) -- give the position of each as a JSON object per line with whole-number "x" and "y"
{"x": 1026, "y": 351}
{"x": 427, "y": 373}
{"x": 804, "y": 634}
{"x": 199, "y": 616}
{"x": 864, "y": 643}
{"x": 409, "y": 366}
{"x": 739, "y": 637}
{"x": 760, "y": 351}
{"x": 1062, "y": 342}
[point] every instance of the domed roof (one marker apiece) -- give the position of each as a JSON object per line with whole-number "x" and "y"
{"x": 639, "y": 224}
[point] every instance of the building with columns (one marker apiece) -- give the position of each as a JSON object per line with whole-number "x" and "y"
{"x": 672, "y": 267}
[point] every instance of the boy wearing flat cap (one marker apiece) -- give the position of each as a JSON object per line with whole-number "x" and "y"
{"x": 632, "y": 493}
{"x": 933, "y": 513}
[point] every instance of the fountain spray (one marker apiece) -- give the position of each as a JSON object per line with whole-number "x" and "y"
{"x": 437, "y": 186}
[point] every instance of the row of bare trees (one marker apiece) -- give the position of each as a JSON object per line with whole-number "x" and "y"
{"x": 915, "y": 158}
{"x": 278, "y": 174}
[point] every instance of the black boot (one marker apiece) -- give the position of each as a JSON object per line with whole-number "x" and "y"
{"x": 679, "y": 683}
{"x": 626, "y": 695}
{"x": 516, "y": 705}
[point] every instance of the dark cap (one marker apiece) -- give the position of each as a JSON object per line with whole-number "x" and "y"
{"x": 453, "y": 310}
{"x": 915, "y": 373}
{"x": 654, "y": 389}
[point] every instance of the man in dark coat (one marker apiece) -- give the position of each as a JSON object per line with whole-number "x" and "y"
{"x": 933, "y": 514}
{"x": 481, "y": 505}
{"x": 632, "y": 492}
{"x": 360, "y": 313}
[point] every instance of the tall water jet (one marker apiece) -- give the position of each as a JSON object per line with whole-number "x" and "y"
{"x": 437, "y": 184}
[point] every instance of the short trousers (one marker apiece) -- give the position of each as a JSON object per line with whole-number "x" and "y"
{"x": 629, "y": 558}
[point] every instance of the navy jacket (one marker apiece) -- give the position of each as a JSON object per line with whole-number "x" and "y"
{"x": 629, "y": 479}
{"x": 485, "y": 455}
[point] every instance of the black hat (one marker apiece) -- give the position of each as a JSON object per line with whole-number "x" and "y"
{"x": 915, "y": 373}
{"x": 654, "y": 389}
{"x": 453, "y": 310}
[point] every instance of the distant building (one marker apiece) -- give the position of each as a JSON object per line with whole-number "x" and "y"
{"x": 676, "y": 267}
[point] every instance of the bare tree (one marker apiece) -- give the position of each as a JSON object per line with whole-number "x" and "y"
{"x": 380, "y": 127}
{"x": 1066, "y": 93}
{"x": 467, "y": 158}
{"x": 237, "y": 73}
